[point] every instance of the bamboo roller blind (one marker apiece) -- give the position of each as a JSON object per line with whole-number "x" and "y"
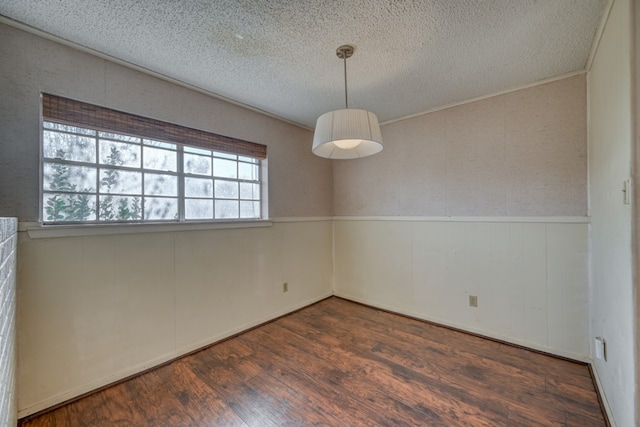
{"x": 71, "y": 112}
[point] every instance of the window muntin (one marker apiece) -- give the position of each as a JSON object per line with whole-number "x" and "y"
{"x": 90, "y": 176}
{"x": 213, "y": 181}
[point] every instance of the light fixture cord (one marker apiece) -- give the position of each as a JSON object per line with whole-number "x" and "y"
{"x": 346, "y": 98}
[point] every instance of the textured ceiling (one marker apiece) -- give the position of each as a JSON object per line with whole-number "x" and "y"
{"x": 279, "y": 56}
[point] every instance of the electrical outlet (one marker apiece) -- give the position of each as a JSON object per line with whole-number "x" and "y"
{"x": 285, "y": 287}
{"x": 473, "y": 300}
{"x": 600, "y": 348}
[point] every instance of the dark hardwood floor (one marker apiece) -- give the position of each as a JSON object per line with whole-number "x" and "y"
{"x": 337, "y": 363}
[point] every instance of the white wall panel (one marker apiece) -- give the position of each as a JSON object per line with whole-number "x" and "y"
{"x": 611, "y": 283}
{"x": 530, "y": 278}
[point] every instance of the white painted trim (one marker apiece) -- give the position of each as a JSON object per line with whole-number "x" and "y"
{"x": 501, "y": 219}
{"x": 301, "y": 218}
{"x": 491, "y": 95}
{"x": 551, "y": 350}
{"x": 37, "y": 231}
{"x": 81, "y": 48}
{"x": 603, "y": 397}
{"x": 333, "y": 257}
{"x": 60, "y": 398}
{"x": 598, "y": 36}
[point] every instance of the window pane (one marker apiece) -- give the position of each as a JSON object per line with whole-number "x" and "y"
{"x": 249, "y": 191}
{"x": 226, "y": 209}
{"x": 195, "y": 164}
{"x": 198, "y": 209}
{"x": 249, "y": 209}
{"x": 67, "y": 128}
{"x": 160, "y": 144}
{"x": 248, "y": 159}
{"x": 120, "y": 208}
{"x": 115, "y": 181}
{"x": 160, "y": 208}
{"x": 119, "y": 137}
{"x": 225, "y": 155}
{"x": 58, "y": 145}
{"x": 157, "y": 185}
{"x": 63, "y": 177}
{"x": 158, "y": 159}
{"x": 248, "y": 171}
{"x": 119, "y": 154}
{"x": 225, "y": 168}
{"x": 197, "y": 151}
{"x": 197, "y": 187}
{"x": 226, "y": 189}
{"x": 95, "y": 176}
{"x": 59, "y": 207}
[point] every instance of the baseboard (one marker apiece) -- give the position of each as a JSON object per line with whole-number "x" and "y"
{"x": 95, "y": 386}
{"x": 473, "y": 219}
{"x": 576, "y": 357}
{"x": 604, "y": 403}
{"x": 80, "y": 392}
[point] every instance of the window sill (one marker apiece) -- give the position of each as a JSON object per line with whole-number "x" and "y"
{"x": 36, "y": 230}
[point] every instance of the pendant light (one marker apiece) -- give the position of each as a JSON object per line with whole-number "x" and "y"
{"x": 349, "y": 133}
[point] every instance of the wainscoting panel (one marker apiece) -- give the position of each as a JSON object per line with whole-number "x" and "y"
{"x": 97, "y": 308}
{"x": 530, "y": 278}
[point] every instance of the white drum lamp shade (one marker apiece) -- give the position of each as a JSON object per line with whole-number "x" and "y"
{"x": 347, "y": 134}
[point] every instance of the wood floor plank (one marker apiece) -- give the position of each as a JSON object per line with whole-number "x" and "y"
{"x": 473, "y": 364}
{"x": 231, "y": 381}
{"x": 203, "y": 402}
{"x": 326, "y": 397}
{"x": 476, "y": 362}
{"x": 458, "y": 342}
{"x": 489, "y": 378}
{"x": 338, "y": 363}
{"x": 392, "y": 386}
{"x": 334, "y": 371}
{"x": 111, "y": 401}
{"x": 76, "y": 412}
{"x": 273, "y": 385}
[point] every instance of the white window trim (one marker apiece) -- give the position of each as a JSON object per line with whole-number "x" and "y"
{"x": 36, "y": 230}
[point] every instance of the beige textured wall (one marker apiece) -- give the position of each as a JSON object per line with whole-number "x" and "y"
{"x": 517, "y": 154}
{"x": 299, "y": 182}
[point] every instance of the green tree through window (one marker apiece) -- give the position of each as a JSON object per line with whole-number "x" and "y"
{"x": 69, "y": 207}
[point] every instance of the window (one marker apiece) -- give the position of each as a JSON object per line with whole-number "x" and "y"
{"x": 96, "y": 175}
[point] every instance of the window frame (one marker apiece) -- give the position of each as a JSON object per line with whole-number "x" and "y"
{"x": 181, "y": 175}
